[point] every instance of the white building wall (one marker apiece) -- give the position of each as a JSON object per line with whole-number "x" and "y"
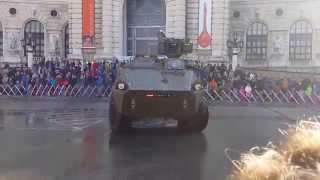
{"x": 265, "y": 11}
{"x": 75, "y": 28}
{"x": 13, "y": 25}
{"x": 220, "y": 29}
{"x": 99, "y": 27}
{"x": 107, "y": 28}
{"x": 192, "y": 17}
{"x": 181, "y": 21}
{"x": 170, "y": 18}
{"x": 117, "y": 27}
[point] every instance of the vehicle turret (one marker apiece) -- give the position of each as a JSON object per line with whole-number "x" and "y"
{"x": 174, "y": 48}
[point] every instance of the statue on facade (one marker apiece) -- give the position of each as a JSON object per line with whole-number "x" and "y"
{"x": 13, "y": 41}
{"x": 278, "y": 45}
{"x": 54, "y": 45}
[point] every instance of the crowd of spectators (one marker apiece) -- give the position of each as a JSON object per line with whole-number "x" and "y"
{"x": 215, "y": 77}
{"x": 218, "y": 77}
{"x": 57, "y": 73}
{"x": 221, "y": 77}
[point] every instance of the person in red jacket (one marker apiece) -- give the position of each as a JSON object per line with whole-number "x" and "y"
{"x": 213, "y": 85}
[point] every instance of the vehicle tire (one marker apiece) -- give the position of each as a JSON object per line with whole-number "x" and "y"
{"x": 118, "y": 123}
{"x": 196, "y": 123}
{"x": 201, "y": 121}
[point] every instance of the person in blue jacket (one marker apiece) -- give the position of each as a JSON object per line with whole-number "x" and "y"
{"x": 25, "y": 78}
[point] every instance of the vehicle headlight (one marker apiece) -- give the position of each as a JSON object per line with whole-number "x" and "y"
{"x": 121, "y": 86}
{"x": 197, "y": 87}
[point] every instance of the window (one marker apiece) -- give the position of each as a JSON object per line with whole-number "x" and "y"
{"x": 13, "y": 11}
{"x": 300, "y": 46}
{"x": 34, "y": 38}
{"x": 279, "y": 12}
{"x": 54, "y": 13}
{"x": 236, "y": 14}
{"x": 66, "y": 41}
{"x": 1, "y": 41}
{"x": 257, "y": 42}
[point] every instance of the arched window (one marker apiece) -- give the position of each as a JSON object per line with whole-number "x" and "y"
{"x": 1, "y": 41}
{"x": 66, "y": 41}
{"x": 34, "y": 38}
{"x": 300, "y": 41}
{"x": 257, "y": 42}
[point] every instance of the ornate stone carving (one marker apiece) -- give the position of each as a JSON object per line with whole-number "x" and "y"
{"x": 54, "y": 43}
{"x": 34, "y": 12}
{"x": 13, "y": 43}
{"x": 13, "y": 39}
{"x": 278, "y": 45}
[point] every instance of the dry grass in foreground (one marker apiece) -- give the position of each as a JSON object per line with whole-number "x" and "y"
{"x": 296, "y": 158}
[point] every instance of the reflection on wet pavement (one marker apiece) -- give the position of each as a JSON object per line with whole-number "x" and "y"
{"x": 72, "y": 141}
{"x": 49, "y": 154}
{"x": 50, "y": 142}
{"x": 59, "y": 120}
{"x": 77, "y": 144}
{"x": 145, "y": 156}
{"x": 170, "y": 156}
{"x": 93, "y": 154}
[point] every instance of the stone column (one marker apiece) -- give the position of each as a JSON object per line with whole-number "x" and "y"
{"x": 180, "y": 19}
{"x": 107, "y": 27}
{"x": 117, "y": 27}
{"x": 29, "y": 57}
{"x": 99, "y": 27}
{"x": 11, "y": 45}
{"x": 219, "y": 29}
{"x": 54, "y": 44}
{"x": 75, "y": 28}
{"x": 170, "y": 18}
{"x": 192, "y": 21}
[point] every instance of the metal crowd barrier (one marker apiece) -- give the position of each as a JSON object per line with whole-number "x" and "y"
{"x": 228, "y": 96}
{"x": 54, "y": 91}
{"x": 261, "y": 96}
{"x": 126, "y": 59}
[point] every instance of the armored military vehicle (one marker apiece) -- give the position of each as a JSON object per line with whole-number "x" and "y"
{"x": 157, "y": 94}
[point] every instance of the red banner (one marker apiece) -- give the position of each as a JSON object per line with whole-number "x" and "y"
{"x": 88, "y": 23}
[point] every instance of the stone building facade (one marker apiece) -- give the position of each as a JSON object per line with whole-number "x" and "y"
{"x": 284, "y": 34}
{"x": 276, "y": 33}
{"x": 48, "y": 20}
{"x": 113, "y": 27}
{"x": 60, "y": 34}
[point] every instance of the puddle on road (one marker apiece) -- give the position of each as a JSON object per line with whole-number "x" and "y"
{"x": 51, "y": 120}
{"x": 50, "y": 155}
{"x": 95, "y": 154}
{"x": 42, "y": 145}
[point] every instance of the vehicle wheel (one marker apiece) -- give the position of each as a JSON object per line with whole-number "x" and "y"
{"x": 201, "y": 122}
{"x": 196, "y": 123}
{"x": 118, "y": 123}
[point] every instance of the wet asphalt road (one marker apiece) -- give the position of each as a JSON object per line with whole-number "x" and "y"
{"x": 69, "y": 139}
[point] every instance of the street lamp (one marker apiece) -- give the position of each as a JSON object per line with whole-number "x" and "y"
{"x": 88, "y": 50}
{"x": 30, "y": 46}
{"x": 235, "y": 45}
{"x": 22, "y": 50}
{"x": 88, "y": 54}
